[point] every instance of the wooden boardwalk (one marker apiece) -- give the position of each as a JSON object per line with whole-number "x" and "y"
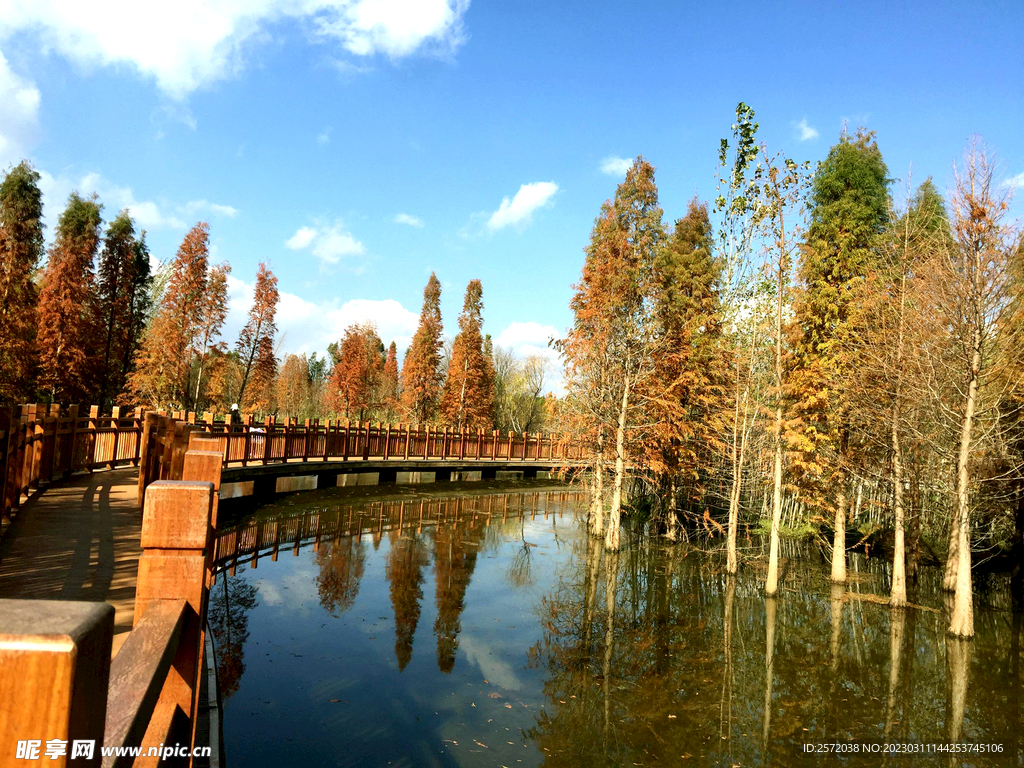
{"x": 78, "y": 540}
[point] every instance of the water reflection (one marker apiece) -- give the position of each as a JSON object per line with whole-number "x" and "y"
{"x": 549, "y": 650}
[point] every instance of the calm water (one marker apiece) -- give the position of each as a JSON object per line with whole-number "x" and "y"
{"x": 487, "y": 630}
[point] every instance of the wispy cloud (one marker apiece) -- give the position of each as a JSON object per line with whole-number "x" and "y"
{"x": 804, "y": 131}
{"x": 412, "y": 221}
{"x": 1015, "y": 182}
{"x": 305, "y": 326}
{"x": 324, "y": 137}
{"x": 519, "y": 209}
{"x": 198, "y": 206}
{"x": 19, "y": 116}
{"x": 187, "y": 46}
{"x": 328, "y": 243}
{"x": 615, "y": 166}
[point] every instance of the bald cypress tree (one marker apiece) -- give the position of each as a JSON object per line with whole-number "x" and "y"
{"x": 421, "y": 381}
{"x": 468, "y": 397}
{"x": 21, "y": 247}
{"x": 849, "y": 212}
{"x": 67, "y": 305}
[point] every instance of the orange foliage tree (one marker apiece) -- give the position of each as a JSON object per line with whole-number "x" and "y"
{"x": 213, "y": 313}
{"x": 421, "y": 382}
{"x": 355, "y": 386}
{"x": 256, "y": 344}
{"x": 67, "y": 319}
{"x": 293, "y": 386}
{"x": 164, "y": 364}
{"x": 389, "y": 384}
{"x": 21, "y": 246}
{"x": 468, "y": 397}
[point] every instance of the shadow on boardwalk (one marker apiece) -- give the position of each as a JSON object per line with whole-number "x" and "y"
{"x": 78, "y": 540}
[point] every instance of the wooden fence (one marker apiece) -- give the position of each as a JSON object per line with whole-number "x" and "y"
{"x": 41, "y": 443}
{"x": 62, "y": 691}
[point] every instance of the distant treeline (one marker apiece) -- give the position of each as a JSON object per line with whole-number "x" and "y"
{"x": 98, "y": 324}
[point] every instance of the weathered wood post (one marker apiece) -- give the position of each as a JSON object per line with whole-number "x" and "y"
{"x": 6, "y": 443}
{"x": 115, "y": 421}
{"x": 176, "y": 536}
{"x": 366, "y": 443}
{"x": 49, "y": 447}
{"x": 268, "y": 425}
{"x": 54, "y": 674}
{"x": 348, "y": 427}
{"x": 387, "y": 441}
{"x": 90, "y": 440}
{"x": 405, "y": 455}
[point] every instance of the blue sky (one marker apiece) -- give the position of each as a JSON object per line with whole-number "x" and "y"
{"x": 356, "y": 145}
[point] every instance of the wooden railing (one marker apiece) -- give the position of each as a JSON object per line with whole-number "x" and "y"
{"x": 165, "y": 439}
{"x": 41, "y": 443}
{"x": 57, "y": 680}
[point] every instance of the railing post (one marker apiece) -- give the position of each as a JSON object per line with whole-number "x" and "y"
{"x": 494, "y": 445}
{"x": 54, "y": 674}
{"x": 366, "y": 443}
{"x": 146, "y": 457}
{"x": 387, "y": 440}
{"x": 176, "y": 536}
{"x": 347, "y": 430}
{"x": 91, "y": 439}
{"x": 49, "y": 447}
{"x": 405, "y": 455}
{"x": 115, "y": 420}
{"x": 34, "y": 429}
{"x": 268, "y": 422}
{"x": 426, "y": 444}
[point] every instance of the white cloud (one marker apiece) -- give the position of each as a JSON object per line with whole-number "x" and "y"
{"x": 324, "y": 137}
{"x": 198, "y": 206}
{"x": 396, "y": 28}
{"x": 412, "y": 221}
{"x": 518, "y": 209}
{"x": 305, "y": 327}
{"x": 19, "y": 115}
{"x": 805, "y": 131}
{"x": 517, "y": 334}
{"x": 328, "y": 243}
{"x": 1015, "y": 182}
{"x": 616, "y": 166}
{"x": 115, "y": 198}
{"x": 192, "y": 43}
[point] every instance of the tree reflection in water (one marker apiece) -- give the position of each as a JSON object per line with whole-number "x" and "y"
{"x": 341, "y": 563}
{"x": 231, "y": 599}
{"x": 455, "y": 549}
{"x": 404, "y": 571}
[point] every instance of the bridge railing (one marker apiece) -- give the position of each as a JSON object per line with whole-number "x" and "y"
{"x": 165, "y": 438}
{"x": 68, "y": 697}
{"x": 41, "y": 443}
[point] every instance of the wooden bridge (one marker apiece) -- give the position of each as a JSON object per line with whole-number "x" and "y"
{"x": 63, "y": 697}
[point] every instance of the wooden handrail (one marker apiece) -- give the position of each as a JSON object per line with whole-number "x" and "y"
{"x": 138, "y": 674}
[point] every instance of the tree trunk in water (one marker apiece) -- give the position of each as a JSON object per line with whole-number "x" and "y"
{"x": 952, "y": 552}
{"x": 769, "y": 667}
{"x": 839, "y": 539}
{"x": 725, "y": 707}
{"x": 611, "y": 539}
{"x": 597, "y": 501}
{"x": 898, "y": 596}
{"x": 610, "y": 582}
{"x": 772, "y": 583}
{"x": 897, "y": 620}
{"x": 958, "y": 658}
{"x": 961, "y": 623}
{"x": 914, "y": 549}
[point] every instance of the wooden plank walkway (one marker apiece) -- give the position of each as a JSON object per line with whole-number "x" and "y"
{"x": 78, "y": 540}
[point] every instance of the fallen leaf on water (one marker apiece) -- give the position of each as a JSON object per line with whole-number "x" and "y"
{"x": 507, "y": 705}
{"x": 494, "y": 695}
{"x": 480, "y": 744}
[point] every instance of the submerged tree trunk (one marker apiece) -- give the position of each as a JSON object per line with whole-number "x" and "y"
{"x": 958, "y": 659}
{"x": 725, "y": 707}
{"x": 839, "y": 538}
{"x": 897, "y": 621}
{"x": 769, "y": 667}
{"x": 772, "y": 583}
{"x": 597, "y": 500}
{"x": 610, "y": 582}
{"x": 611, "y": 539}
